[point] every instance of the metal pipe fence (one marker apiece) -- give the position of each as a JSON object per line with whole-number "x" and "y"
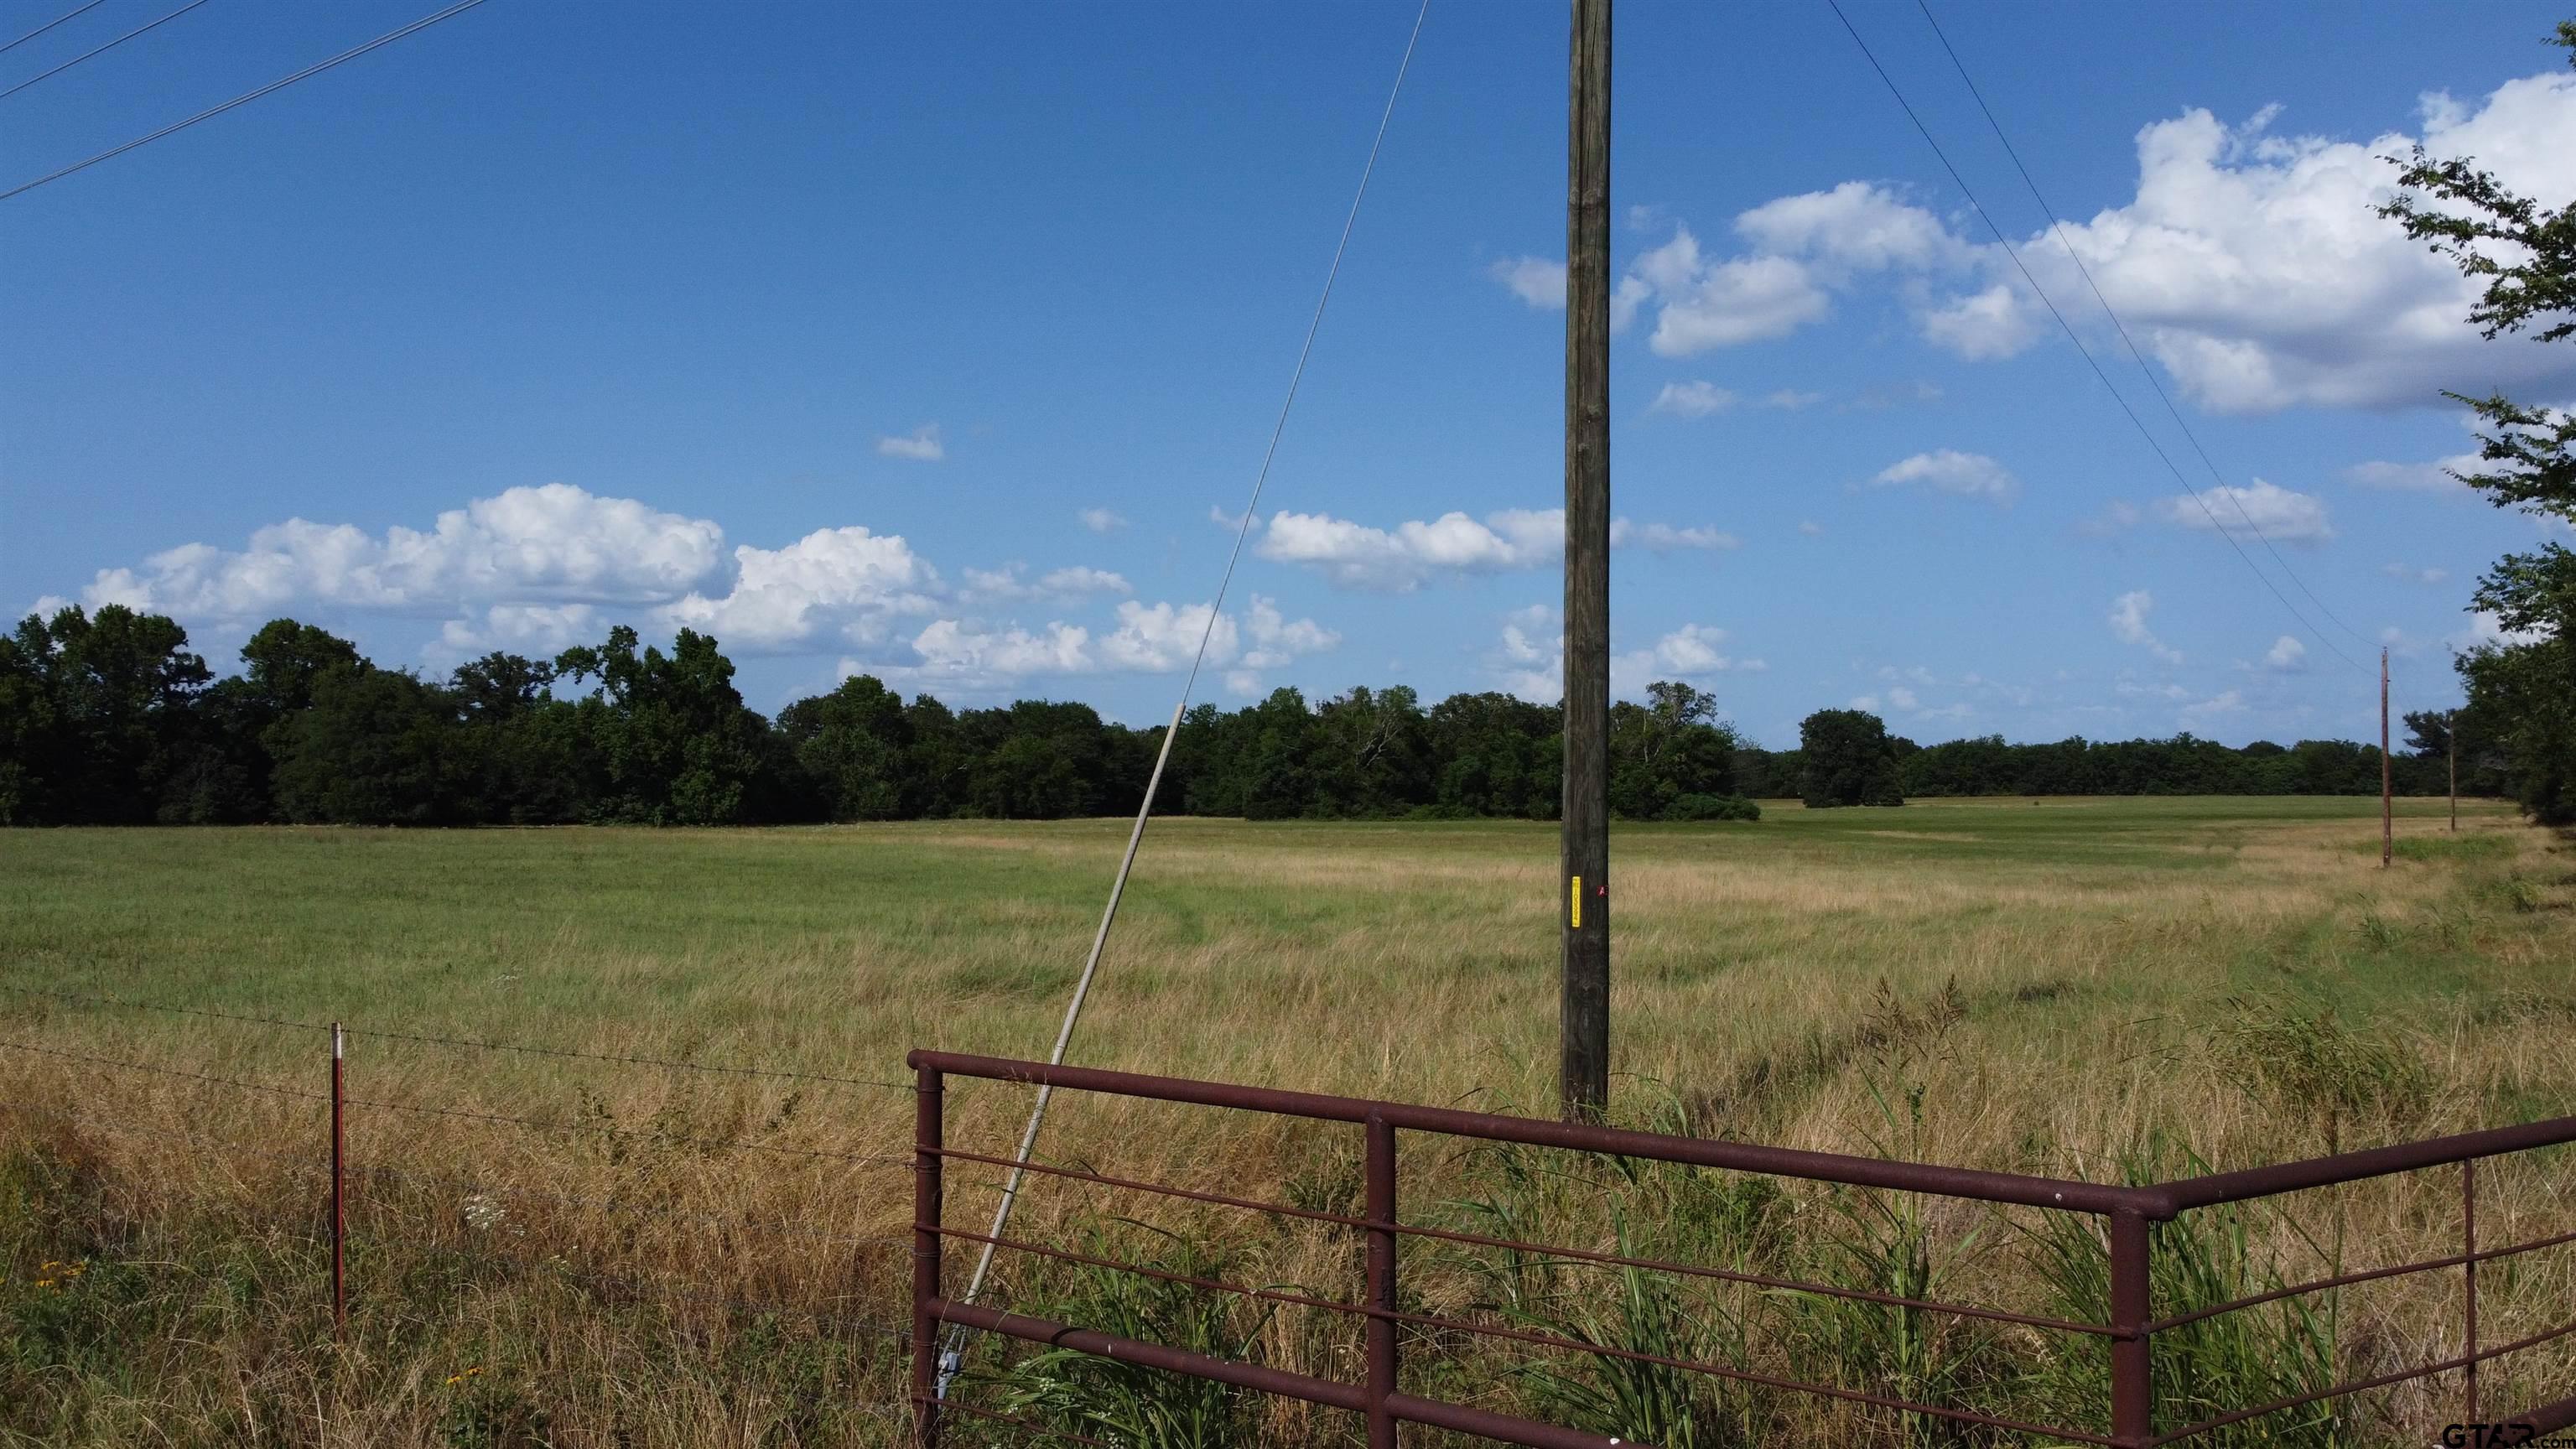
{"x": 1384, "y": 1321}
{"x": 2130, "y": 1216}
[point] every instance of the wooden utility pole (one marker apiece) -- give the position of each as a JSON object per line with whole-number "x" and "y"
{"x": 2451, "y": 737}
{"x": 1583, "y": 1079}
{"x": 2387, "y": 809}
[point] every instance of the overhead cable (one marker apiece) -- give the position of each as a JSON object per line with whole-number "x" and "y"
{"x": 2081, "y": 350}
{"x": 952, "y": 1352}
{"x": 2059, "y": 228}
{"x": 388, "y": 38}
{"x": 50, "y": 24}
{"x": 101, "y": 49}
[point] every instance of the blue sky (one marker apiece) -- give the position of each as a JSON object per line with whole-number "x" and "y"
{"x": 932, "y": 342}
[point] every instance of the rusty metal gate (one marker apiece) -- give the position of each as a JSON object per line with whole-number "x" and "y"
{"x": 2129, "y": 1215}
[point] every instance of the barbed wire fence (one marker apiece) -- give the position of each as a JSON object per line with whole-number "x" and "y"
{"x": 494, "y": 1220}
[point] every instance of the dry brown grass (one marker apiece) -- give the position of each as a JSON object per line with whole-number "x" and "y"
{"x": 2116, "y": 966}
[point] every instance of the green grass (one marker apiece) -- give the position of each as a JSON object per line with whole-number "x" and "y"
{"x": 2234, "y": 979}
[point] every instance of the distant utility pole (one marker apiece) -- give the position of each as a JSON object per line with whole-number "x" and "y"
{"x": 2387, "y": 807}
{"x": 2451, "y": 737}
{"x": 1583, "y": 1079}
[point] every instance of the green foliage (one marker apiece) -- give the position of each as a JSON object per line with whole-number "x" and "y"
{"x": 853, "y": 745}
{"x": 113, "y": 720}
{"x": 2307, "y": 1060}
{"x": 2204, "y": 1258}
{"x": 1653, "y": 1209}
{"x": 1893, "y": 1244}
{"x": 2524, "y": 254}
{"x": 1671, "y": 749}
{"x": 1125, "y": 1403}
{"x": 375, "y": 747}
{"x": 1847, "y": 760}
{"x": 483, "y": 1414}
{"x": 2183, "y": 765}
{"x": 1630, "y": 1311}
{"x": 1711, "y": 807}
{"x": 95, "y": 716}
{"x": 667, "y": 736}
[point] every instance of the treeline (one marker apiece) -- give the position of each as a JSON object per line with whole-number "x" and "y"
{"x": 2183, "y": 765}
{"x": 113, "y": 720}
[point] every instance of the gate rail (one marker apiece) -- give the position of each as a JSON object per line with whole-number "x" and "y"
{"x": 2130, "y": 1213}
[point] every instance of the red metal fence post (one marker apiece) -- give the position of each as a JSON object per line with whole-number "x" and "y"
{"x": 1381, "y": 1282}
{"x": 2132, "y": 1378}
{"x": 2469, "y": 1246}
{"x": 339, "y": 1193}
{"x": 928, "y": 1217}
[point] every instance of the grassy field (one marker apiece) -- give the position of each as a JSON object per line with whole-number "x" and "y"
{"x": 2077, "y": 987}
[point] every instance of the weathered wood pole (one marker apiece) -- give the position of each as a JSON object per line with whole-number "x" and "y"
{"x": 2451, "y": 737}
{"x": 1584, "y": 1075}
{"x": 2387, "y": 808}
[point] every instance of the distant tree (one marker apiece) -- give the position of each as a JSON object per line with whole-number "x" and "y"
{"x": 95, "y": 721}
{"x": 1768, "y": 774}
{"x": 935, "y": 763}
{"x": 1373, "y": 754}
{"x": 666, "y": 738}
{"x": 517, "y": 760}
{"x": 1848, "y": 759}
{"x": 1277, "y": 757}
{"x": 1042, "y": 760}
{"x": 1674, "y": 747}
{"x": 2524, "y": 686}
{"x": 1497, "y": 755}
{"x": 854, "y": 744}
{"x": 285, "y": 660}
{"x": 372, "y": 747}
{"x": 2484, "y": 769}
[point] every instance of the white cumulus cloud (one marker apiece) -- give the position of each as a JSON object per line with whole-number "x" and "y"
{"x": 1692, "y": 399}
{"x": 1951, "y": 471}
{"x": 2434, "y": 477}
{"x": 2225, "y": 703}
{"x": 1702, "y": 304}
{"x": 2249, "y": 263}
{"x": 1405, "y": 557}
{"x": 921, "y": 445}
{"x": 2286, "y": 656}
{"x": 1665, "y": 537}
{"x": 2279, "y": 514}
{"x": 834, "y": 581}
{"x": 2252, "y": 264}
{"x": 1007, "y": 582}
{"x": 551, "y": 544}
{"x": 1531, "y": 660}
{"x": 2129, "y": 625}
{"x": 1535, "y": 280}
{"x": 971, "y": 657}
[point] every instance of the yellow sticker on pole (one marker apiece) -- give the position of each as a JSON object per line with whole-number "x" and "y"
{"x": 1574, "y": 898}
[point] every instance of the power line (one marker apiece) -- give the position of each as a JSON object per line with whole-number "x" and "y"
{"x": 952, "y": 1354}
{"x": 2059, "y": 228}
{"x": 2080, "y": 349}
{"x": 388, "y": 38}
{"x": 50, "y": 24}
{"x": 101, "y": 49}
